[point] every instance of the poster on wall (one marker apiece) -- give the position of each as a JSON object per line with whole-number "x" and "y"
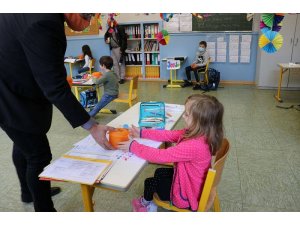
{"x": 93, "y": 29}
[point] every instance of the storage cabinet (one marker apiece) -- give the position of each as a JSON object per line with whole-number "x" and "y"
{"x": 142, "y": 54}
{"x": 267, "y": 71}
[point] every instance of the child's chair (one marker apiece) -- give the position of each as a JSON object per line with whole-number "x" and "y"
{"x": 131, "y": 95}
{"x": 209, "y": 194}
{"x": 205, "y": 72}
{"x": 91, "y": 66}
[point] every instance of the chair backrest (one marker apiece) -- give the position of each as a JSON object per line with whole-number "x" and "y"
{"x": 207, "y": 65}
{"x": 92, "y": 65}
{"x": 213, "y": 178}
{"x": 133, "y": 86}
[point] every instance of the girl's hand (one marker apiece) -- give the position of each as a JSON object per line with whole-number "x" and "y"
{"x": 134, "y": 132}
{"x": 124, "y": 146}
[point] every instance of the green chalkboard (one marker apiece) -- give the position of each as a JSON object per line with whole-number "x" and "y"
{"x": 222, "y": 22}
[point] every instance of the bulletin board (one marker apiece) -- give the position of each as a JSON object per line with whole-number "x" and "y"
{"x": 93, "y": 29}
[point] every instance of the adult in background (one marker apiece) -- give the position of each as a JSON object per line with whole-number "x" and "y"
{"x": 30, "y": 87}
{"x": 116, "y": 37}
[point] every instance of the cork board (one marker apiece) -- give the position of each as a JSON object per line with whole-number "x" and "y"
{"x": 93, "y": 29}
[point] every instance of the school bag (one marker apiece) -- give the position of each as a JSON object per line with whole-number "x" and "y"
{"x": 213, "y": 80}
{"x": 88, "y": 98}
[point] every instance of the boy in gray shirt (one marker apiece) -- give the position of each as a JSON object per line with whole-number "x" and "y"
{"x": 110, "y": 82}
{"x": 199, "y": 63}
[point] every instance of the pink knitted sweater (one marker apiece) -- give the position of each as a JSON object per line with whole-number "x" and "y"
{"x": 191, "y": 159}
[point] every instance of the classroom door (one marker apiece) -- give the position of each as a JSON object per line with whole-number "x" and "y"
{"x": 294, "y": 77}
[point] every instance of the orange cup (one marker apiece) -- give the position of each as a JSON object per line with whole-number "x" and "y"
{"x": 118, "y": 135}
{"x": 97, "y": 74}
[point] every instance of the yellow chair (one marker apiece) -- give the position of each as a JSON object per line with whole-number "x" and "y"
{"x": 131, "y": 95}
{"x": 92, "y": 65}
{"x": 209, "y": 194}
{"x": 205, "y": 72}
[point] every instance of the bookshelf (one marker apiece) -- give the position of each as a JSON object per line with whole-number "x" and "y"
{"x": 143, "y": 50}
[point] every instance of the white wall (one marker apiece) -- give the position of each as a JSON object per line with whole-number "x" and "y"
{"x": 137, "y": 17}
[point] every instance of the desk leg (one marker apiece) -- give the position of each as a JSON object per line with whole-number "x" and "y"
{"x": 76, "y": 93}
{"x": 279, "y": 86}
{"x": 87, "y": 195}
{"x": 171, "y": 85}
{"x": 71, "y": 70}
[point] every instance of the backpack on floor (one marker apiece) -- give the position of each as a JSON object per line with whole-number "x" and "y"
{"x": 88, "y": 98}
{"x": 213, "y": 80}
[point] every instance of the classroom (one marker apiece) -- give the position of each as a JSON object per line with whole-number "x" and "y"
{"x": 252, "y": 69}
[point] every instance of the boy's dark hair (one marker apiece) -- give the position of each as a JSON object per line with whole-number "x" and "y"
{"x": 107, "y": 61}
{"x": 203, "y": 43}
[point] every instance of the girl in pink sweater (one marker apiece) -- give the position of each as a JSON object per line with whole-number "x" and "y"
{"x": 195, "y": 145}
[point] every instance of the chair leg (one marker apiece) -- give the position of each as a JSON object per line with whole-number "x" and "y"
{"x": 217, "y": 207}
{"x": 130, "y": 104}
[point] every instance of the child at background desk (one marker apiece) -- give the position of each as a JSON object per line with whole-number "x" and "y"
{"x": 110, "y": 82}
{"x": 196, "y": 144}
{"x": 87, "y": 55}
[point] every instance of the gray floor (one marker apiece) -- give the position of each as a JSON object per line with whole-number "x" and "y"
{"x": 262, "y": 172}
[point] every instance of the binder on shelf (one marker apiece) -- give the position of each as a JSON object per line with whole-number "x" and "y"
{"x": 148, "y": 59}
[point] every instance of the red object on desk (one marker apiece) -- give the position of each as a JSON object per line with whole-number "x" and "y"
{"x": 118, "y": 135}
{"x": 70, "y": 80}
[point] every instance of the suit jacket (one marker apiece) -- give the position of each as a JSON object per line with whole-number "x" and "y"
{"x": 121, "y": 38}
{"x": 32, "y": 73}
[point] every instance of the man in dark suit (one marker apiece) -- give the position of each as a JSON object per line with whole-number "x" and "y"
{"x": 32, "y": 79}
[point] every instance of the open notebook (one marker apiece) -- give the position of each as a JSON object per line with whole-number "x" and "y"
{"x": 76, "y": 169}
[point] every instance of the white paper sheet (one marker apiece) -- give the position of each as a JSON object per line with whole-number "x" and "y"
{"x": 245, "y": 52}
{"x": 234, "y": 38}
{"x": 85, "y": 172}
{"x": 211, "y": 45}
{"x": 212, "y": 58}
{"x": 245, "y": 59}
{"x": 221, "y": 51}
{"x": 233, "y": 45}
{"x": 222, "y": 45}
{"x": 233, "y": 59}
{"x": 220, "y": 39}
{"x": 245, "y": 44}
{"x": 246, "y": 38}
{"x": 221, "y": 58}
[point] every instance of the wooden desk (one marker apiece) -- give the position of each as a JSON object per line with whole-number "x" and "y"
{"x": 124, "y": 172}
{"x": 71, "y": 62}
{"x": 283, "y": 68}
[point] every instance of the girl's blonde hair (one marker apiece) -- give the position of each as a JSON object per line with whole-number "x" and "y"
{"x": 207, "y": 120}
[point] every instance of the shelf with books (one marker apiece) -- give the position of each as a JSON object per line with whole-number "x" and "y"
{"x": 143, "y": 51}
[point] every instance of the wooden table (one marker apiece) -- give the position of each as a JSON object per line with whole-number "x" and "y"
{"x": 124, "y": 172}
{"x": 284, "y": 67}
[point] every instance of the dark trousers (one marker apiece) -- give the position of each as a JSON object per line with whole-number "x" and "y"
{"x": 105, "y": 99}
{"x": 31, "y": 153}
{"x": 161, "y": 183}
{"x": 188, "y": 70}
{"x": 83, "y": 69}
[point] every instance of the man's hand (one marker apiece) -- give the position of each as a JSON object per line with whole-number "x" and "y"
{"x": 99, "y": 134}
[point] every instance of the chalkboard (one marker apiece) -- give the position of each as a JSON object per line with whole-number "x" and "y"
{"x": 222, "y": 22}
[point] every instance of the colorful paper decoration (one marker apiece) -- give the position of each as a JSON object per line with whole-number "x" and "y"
{"x": 166, "y": 16}
{"x": 163, "y": 37}
{"x": 264, "y": 28}
{"x": 271, "y": 19}
{"x": 270, "y": 41}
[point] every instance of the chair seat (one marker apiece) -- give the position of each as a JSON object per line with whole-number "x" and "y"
{"x": 167, "y": 204}
{"x": 124, "y": 97}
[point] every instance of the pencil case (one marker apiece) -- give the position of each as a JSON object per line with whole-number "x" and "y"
{"x": 152, "y": 115}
